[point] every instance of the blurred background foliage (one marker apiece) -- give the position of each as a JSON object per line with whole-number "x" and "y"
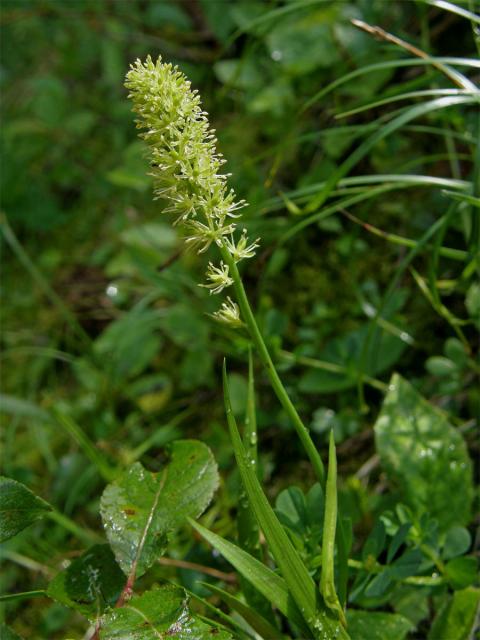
{"x": 104, "y": 326}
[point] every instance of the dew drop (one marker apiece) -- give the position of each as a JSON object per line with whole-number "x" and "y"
{"x": 112, "y": 291}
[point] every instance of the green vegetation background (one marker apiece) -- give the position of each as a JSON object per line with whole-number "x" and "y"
{"x": 103, "y": 323}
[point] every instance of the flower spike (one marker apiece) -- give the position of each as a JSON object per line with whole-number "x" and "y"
{"x": 186, "y": 167}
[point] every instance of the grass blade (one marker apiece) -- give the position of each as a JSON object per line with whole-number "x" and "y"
{"x": 291, "y": 566}
{"x": 247, "y": 526}
{"x": 107, "y": 472}
{"x": 327, "y": 581}
{"x": 254, "y": 619}
{"x": 401, "y": 96}
{"x": 389, "y": 64}
{"x": 361, "y": 151}
{"x": 227, "y": 619}
{"x": 271, "y": 585}
{"x": 297, "y": 578}
{"x": 453, "y": 8}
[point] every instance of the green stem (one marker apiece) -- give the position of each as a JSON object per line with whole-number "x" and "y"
{"x": 87, "y": 536}
{"x": 160, "y": 436}
{"x": 447, "y": 252}
{"x": 24, "y": 595}
{"x": 277, "y": 385}
{"x": 415, "y": 580}
{"x": 106, "y": 471}
{"x": 324, "y": 365}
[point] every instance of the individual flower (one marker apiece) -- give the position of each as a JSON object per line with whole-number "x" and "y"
{"x": 241, "y": 249}
{"x": 219, "y": 278}
{"x": 229, "y": 314}
{"x": 202, "y": 235}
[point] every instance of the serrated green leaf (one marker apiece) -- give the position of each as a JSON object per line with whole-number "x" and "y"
{"x": 370, "y": 625}
{"x": 141, "y": 508}
{"x": 252, "y": 617}
{"x": 424, "y": 455}
{"x": 162, "y": 612}
{"x": 91, "y": 583}
{"x": 457, "y": 618}
{"x": 19, "y": 508}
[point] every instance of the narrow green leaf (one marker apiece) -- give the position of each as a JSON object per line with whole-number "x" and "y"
{"x": 327, "y": 581}
{"x": 221, "y": 615}
{"x": 406, "y": 116}
{"x": 95, "y": 456}
{"x": 271, "y": 585}
{"x": 19, "y": 508}
{"x": 22, "y": 408}
{"x": 463, "y": 197}
{"x": 141, "y": 509}
{"x": 388, "y": 64}
{"x": 397, "y": 97}
{"x": 254, "y": 619}
{"x": 22, "y": 595}
{"x": 455, "y": 8}
{"x": 291, "y": 566}
{"x": 159, "y": 613}
{"x": 297, "y": 578}
{"x": 91, "y": 583}
{"x": 247, "y": 526}
{"x": 344, "y": 544}
{"x": 398, "y": 540}
{"x": 375, "y": 542}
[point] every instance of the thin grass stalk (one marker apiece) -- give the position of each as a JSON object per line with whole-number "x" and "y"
{"x": 277, "y": 385}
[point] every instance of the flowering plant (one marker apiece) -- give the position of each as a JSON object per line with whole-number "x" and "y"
{"x": 186, "y": 169}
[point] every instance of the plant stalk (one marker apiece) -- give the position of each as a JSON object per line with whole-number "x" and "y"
{"x": 277, "y": 385}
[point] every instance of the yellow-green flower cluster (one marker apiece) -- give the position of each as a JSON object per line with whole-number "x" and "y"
{"x": 185, "y": 163}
